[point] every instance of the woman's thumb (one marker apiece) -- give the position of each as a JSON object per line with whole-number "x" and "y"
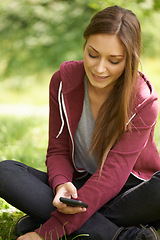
{"x": 72, "y": 189}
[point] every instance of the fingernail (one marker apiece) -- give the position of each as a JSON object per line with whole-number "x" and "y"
{"x": 74, "y": 195}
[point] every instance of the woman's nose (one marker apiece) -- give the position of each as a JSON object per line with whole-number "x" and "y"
{"x": 101, "y": 66}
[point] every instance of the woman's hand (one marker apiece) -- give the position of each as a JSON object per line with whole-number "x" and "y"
{"x": 67, "y": 190}
{"x": 30, "y": 236}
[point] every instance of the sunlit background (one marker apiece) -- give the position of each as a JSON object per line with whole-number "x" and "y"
{"x": 36, "y": 36}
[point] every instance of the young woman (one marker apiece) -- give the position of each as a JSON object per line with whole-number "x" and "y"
{"x": 101, "y": 144}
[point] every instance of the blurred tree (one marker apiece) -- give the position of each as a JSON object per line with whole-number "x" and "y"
{"x": 142, "y": 4}
{"x": 40, "y": 34}
{"x": 156, "y": 4}
{"x": 148, "y": 12}
{"x": 36, "y": 34}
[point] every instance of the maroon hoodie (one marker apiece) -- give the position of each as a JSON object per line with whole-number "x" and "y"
{"x": 135, "y": 153}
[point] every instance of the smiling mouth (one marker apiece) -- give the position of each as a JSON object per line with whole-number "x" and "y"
{"x": 99, "y": 77}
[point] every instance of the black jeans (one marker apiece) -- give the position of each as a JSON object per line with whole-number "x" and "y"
{"x": 27, "y": 189}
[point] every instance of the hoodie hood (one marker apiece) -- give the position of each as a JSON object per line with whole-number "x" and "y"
{"x": 74, "y": 89}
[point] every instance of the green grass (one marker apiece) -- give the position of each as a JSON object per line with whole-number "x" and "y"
{"x": 9, "y": 219}
{"x": 9, "y": 216}
{"x": 24, "y": 138}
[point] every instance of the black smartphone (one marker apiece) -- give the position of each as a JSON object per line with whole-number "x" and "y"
{"x": 73, "y": 202}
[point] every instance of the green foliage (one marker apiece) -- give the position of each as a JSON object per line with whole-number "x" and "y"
{"x": 142, "y": 4}
{"x": 156, "y": 4}
{"x": 8, "y": 219}
{"x": 150, "y": 36}
{"x": 148, "y": 12}
{"x": 40, "y": 34}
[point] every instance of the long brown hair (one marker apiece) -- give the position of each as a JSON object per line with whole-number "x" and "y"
{"x": 115, "y": 113}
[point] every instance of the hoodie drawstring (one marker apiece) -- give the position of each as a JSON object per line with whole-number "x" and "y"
{"x": 60, "y": 109}
{"x": 131, "y": 118}
{"x": 61, "y": 114}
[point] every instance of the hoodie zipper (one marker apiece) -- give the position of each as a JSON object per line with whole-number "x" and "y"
{"x": 62, "y": 106}
{"x": 72, "y": 141}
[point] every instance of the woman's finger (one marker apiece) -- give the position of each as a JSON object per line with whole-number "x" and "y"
{"x": 71, "y": 210}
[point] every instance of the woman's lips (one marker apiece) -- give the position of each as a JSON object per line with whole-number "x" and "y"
{"x": 100, "y": 78}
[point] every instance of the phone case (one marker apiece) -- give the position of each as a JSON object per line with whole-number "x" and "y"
{"x": 73, "y": 202}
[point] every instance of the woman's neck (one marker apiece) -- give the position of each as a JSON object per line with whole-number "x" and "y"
{"x": 97, "y": 97}
{"x": 100, "y": 94}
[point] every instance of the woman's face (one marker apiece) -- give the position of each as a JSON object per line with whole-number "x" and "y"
{"x": 104, "y": 60}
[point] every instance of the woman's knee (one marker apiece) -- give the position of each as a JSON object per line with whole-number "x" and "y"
{"x": 3, "y": 175}
{"x": 6, "y": 165}
{"x": 8, "y": 173}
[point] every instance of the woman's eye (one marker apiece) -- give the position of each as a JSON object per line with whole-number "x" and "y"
{"x": 92, "y": 56}
{"x": 113, "y": 62}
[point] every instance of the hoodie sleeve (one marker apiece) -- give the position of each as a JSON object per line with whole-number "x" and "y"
{"x": 117, "y": 168}
{"x": 59, "y": 165}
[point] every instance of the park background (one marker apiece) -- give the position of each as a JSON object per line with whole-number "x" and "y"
{"x": 36, "y": 36}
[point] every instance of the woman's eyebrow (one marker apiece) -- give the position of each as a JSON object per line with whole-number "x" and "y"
{"x": 116, "y": 55}
{"x": 93, "y": 48}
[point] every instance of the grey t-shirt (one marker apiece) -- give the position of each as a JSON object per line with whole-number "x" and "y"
{"x": 83, "y": 136}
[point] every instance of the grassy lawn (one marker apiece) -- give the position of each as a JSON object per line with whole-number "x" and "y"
{"x": 9, "y": 216}
{"x": 24, "y": 137}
